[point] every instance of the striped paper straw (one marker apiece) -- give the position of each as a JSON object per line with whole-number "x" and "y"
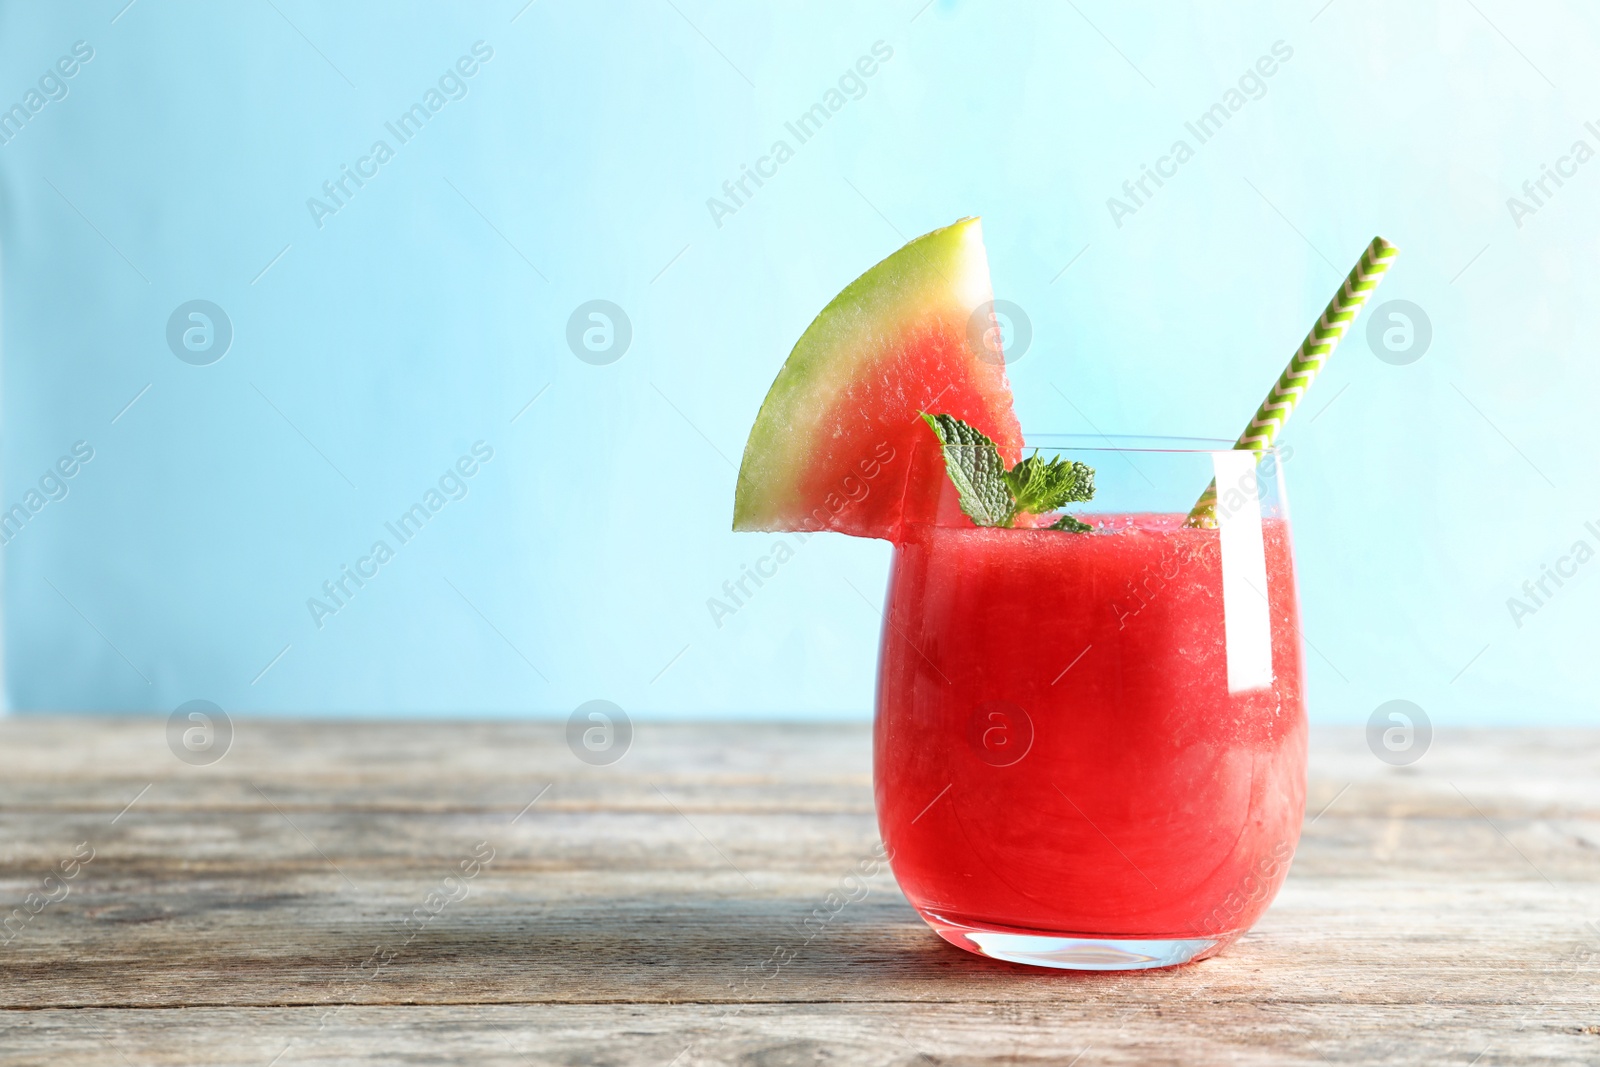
{"x": 1308, "y": 359}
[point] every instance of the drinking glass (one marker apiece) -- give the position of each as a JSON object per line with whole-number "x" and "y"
{"x": 1090, "y": 748}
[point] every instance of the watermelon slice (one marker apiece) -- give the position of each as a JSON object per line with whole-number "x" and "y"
{"x": 839, "y": 443}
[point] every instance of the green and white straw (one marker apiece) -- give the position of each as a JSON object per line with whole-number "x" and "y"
{"x": 1308, "y": 359}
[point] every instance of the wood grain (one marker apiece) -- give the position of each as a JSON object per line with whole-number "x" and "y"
{"x": 257, "y": 908}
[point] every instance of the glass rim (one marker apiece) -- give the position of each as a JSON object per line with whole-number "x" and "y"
{"x": 1099, "y": 442}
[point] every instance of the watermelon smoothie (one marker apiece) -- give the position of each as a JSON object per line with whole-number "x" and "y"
{"x": 1090, "y": 748}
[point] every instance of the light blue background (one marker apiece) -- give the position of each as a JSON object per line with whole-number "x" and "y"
{"x": 425, "y": 314}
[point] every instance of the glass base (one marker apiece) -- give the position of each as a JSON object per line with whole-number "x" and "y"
{"x": 1078, "y": 953}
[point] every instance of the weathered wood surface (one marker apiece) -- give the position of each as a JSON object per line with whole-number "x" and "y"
{"x": 256, "y": 908}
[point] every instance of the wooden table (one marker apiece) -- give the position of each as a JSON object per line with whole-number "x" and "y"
{"x": 255, "y": 911}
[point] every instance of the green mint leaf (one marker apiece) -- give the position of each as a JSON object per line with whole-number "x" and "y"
{"x": 1041, "y": 486}
{"x": 1071, "y": 525}
{"x": 975, "y": 467}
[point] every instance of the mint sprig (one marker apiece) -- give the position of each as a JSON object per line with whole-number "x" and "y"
{"x": 992, "y": 495}
{"x": 1040, "y": 485}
